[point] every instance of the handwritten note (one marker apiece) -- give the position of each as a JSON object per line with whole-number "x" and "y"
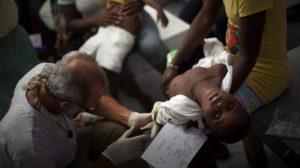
{"x": 173, "y": 147}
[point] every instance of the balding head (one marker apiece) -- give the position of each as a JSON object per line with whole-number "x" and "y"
{"x": 73, "y": 76}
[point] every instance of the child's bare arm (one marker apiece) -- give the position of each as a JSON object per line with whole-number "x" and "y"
{"x": 160, "y": 13}
{"x": 153, "y": 3}
{"x": 132, "y": 7}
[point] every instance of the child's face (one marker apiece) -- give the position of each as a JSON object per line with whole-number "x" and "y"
{"x": 220, "y": 108}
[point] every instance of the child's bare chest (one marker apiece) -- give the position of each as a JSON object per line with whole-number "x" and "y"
{"x": 181, "y": 85}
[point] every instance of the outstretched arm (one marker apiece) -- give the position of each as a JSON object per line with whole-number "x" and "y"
{"x": 249, "y": 40}
{"x": 110, "y": 109}
{"x": 199, "y": 29}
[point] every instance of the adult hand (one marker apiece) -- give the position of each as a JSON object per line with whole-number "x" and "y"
{"x": 126, "y": 148}
{"x": 139, "y": 120}
{"x": 161, "y": 17}
{"x": 168, "y": 75}
{"x": 131, "y": 7}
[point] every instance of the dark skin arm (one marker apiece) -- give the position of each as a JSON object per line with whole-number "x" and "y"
{"x": 249, "y": 39}
{"x": 199, "y": 29}
{"x": 160, "y": 13}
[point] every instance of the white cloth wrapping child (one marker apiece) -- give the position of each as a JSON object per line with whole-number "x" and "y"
{"x": 109, "y": 45}
{"x": 180, "y": 109}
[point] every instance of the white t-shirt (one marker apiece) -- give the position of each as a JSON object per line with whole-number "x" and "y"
{"x": 28, "y": 138}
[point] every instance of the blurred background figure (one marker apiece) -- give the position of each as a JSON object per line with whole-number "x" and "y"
{"x": 16, "y": 50}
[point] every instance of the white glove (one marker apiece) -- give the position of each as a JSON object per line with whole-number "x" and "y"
{"x": 126, "y": 148}
{"x": 139, "y": 119}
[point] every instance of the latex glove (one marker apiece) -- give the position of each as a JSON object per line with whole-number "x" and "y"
{"x": 139, "y": 120}
{"x": 126, "y": 148}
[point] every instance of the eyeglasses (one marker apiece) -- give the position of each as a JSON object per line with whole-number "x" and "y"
{"x": 89, "y": 110}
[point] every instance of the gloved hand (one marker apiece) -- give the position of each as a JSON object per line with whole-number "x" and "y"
{"x": 126, "y": 148}
{"x": 139, "y": 120}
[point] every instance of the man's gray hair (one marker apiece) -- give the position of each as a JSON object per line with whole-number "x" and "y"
{"x": 35, "y": 83}
{"x": 72, "y": 84}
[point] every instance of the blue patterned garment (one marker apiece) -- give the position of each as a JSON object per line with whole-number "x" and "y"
{"x": 248, "y": 98}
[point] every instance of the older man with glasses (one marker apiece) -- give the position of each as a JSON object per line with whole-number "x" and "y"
{"x": 38, "y": 130}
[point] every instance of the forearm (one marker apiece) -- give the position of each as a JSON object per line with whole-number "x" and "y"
{"x": 110, "y": 109}
{"x": 242, "y": 66}
{"x": 103, "y": 162}
{"x": 153, "y": 3}
{"x": 249, "y": 40}
{"x": 200, "y": 28}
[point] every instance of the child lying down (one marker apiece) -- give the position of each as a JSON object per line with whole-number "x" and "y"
{"x": 201, "y": 94}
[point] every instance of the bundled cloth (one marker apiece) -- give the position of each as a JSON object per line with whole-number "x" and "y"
{"x": 110, "y": 46}
{"x": 215, "y": 54}
{"x": 178, "y": 110}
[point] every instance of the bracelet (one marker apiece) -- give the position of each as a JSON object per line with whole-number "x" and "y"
{"x": 173, "y": 66}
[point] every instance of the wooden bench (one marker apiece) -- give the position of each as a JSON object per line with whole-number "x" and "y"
{"x": 287, "y": 149}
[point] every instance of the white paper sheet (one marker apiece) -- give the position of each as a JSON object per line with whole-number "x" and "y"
{"x": 173, "y": 147}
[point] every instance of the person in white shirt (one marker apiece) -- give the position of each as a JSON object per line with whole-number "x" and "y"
{"x": 38, "y": 130}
